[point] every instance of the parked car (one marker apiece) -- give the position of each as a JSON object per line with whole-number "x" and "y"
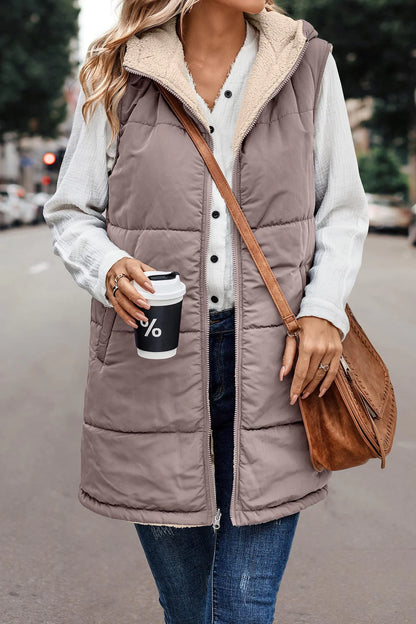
{"x": 21, "y": 209}
{"x": 412, "y": 226}
{"x": 28, "y": 211}
{"x": 40, "y": 199}
{"x": 388, "y": 212}
{"x": 11, "y": 194}
{"x": 6, "y": 212}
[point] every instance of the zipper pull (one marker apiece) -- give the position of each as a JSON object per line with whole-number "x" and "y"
{"x": 211, "y": 445}
{"x": 216, "y": 523}
{"x": 345, "y": 366}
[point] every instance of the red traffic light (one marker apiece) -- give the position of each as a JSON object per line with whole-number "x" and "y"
{"x": 49, "y": 158}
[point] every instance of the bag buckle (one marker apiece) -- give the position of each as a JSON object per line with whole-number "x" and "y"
{"x": 295, "y": 333}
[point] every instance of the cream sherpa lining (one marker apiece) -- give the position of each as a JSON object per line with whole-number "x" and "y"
{"x": 158, "y": 53}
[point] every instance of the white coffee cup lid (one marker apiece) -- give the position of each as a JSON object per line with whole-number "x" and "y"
{"x": 167, "y": 288}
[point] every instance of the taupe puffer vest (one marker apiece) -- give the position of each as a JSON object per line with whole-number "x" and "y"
{"x": 145, "y": 449}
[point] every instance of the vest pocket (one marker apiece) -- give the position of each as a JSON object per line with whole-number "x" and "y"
{"x": 105, "y": 333}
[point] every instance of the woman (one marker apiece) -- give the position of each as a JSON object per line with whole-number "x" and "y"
{"x": 206, "y": 452}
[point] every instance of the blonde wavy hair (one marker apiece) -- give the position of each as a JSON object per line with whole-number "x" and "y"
{"x": 102, "y": 76}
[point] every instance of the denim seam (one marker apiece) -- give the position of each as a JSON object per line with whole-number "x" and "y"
{"x": 214, "y": 593}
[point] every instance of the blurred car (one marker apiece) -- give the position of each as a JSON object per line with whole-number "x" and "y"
{"x": 21, "y": 209}
{"x": 11, "y": 195}
{"x": 6, "y": 212}
{"x": 388, "y": 212}
{"x": 412, "y": 226}
{"x": 28, "y": 211}
{"x": 40, "y": 199}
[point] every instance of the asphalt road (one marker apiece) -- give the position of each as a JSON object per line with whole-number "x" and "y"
{"x": 353, "y": 557}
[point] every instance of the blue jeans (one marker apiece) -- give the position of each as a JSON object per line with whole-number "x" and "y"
{"x": 231, "y": 575}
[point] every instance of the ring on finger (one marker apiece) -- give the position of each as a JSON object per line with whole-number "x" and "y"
{"x": 325, "y": 367}
{"x": 115, "y": 289}
{"x": 118, "y": 277}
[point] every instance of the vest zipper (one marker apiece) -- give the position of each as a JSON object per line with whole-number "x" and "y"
{"x": 206, "y": 216}
{"x": 236, "y": 458}
{"x": 213, "y": 495}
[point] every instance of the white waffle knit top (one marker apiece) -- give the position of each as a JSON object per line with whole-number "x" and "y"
{"x": 75, "y": 213}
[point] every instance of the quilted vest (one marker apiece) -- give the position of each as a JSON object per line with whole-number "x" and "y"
{"x": 146, "y": 435}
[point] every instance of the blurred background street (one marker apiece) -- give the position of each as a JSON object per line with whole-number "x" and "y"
{"x": 353, "y": 556}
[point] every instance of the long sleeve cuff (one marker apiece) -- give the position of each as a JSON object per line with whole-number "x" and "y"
{"x": 112, "y": 256}
{"x": 327, "y": 310}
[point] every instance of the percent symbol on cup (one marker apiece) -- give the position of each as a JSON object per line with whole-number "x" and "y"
{"x": 156, "y": 331}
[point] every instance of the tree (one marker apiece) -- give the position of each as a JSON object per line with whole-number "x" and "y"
{"x": 35, "y": 55}
{"x": 375, "y": 50}
{"x": 380, "y": 169}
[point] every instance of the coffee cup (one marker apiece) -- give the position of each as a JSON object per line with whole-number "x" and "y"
{"x": 158, "y": 337}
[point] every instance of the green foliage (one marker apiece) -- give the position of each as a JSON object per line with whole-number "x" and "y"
{"x": 35, "y": 38}
{"x": 375, "y": 50}
{"x": 380, "y": 172}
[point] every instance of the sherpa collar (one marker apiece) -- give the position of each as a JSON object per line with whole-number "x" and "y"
{"x": 158, "y": 53}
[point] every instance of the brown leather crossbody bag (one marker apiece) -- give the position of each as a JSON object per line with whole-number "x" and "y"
{"x": 355, "y": 420}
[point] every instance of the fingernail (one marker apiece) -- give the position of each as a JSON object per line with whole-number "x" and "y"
{"x": 149, "y": 286}
{"x": 141, "y": 317}
{"x": 133, "y": 324}
{"x": 305, "y": 394}
{"x": 282, "y": 371}
{"x": 142, "y": 303}
{"x": 322, "y": 392}
{"x": 293, "y": 399}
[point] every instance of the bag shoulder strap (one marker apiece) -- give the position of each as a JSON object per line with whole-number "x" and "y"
{"x": 237, "y": 214}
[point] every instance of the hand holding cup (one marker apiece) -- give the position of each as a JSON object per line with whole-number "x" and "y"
{"x": 127, "y": 301}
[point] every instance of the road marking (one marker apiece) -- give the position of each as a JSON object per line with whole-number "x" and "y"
{"x": 39, "y": 267}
